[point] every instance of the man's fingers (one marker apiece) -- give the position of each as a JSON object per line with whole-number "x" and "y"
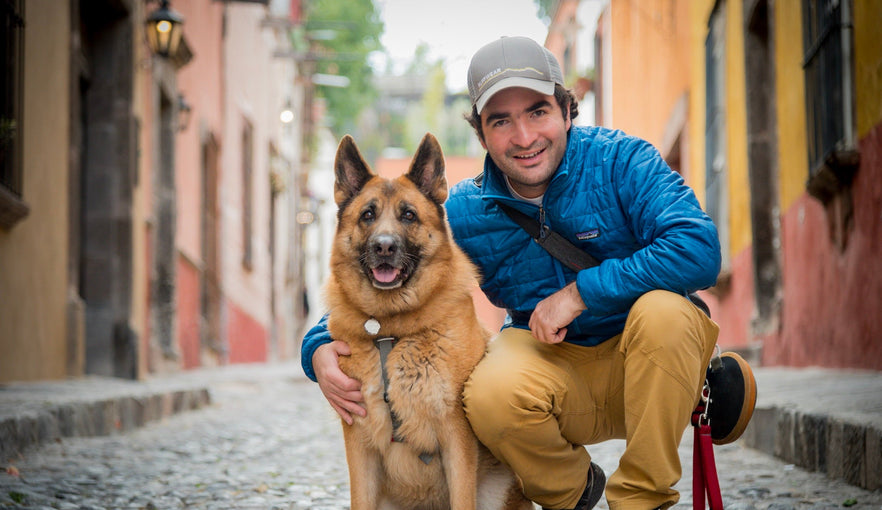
{"x": 344, "y": 414}
{"x": 341, "y": 348}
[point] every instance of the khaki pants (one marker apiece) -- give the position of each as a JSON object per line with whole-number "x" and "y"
{"x": 534, "y": 405}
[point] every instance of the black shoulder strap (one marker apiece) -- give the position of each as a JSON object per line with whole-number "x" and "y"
{"x": 566, "y": 252}
{"x": 554, "y": 243}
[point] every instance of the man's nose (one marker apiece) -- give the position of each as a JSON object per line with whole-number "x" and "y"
{"x": 524, "y": 134}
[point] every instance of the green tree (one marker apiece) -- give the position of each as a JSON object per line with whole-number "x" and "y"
{"x": 350, "y": 30}
{"x": 544, "y": 9}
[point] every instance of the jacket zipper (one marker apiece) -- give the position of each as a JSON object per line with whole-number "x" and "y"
{"x": 542, "y": 227}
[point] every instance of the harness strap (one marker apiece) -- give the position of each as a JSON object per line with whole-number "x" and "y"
{"x": 385, "y": 345}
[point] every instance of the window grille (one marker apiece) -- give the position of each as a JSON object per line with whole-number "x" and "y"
{"x": 829, "y": 95}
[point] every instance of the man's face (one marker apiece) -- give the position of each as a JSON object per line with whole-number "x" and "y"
{"x": 525, "y": 134}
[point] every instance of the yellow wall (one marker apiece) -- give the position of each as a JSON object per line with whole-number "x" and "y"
{"x": 736, "y": 115}
{"x": 790, "y": 93}
{"x": 699, "y": 11}
{"x": 736, "y": 127}
{"x": 34, "y": 253}
{"x": 868, "y": 64}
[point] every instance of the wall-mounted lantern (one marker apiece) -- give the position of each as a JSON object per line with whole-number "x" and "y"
{"x": 287, "y": 113}
{"x": 164, "y": 28}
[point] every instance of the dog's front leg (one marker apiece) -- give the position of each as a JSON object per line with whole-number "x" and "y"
{"x": 459, "y": 454}
{"x": 364, "y": 471}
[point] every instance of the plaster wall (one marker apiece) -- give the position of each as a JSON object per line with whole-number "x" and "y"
{"x": 34, "y": 253}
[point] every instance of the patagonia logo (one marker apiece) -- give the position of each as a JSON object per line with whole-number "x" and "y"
{"x": 588, "y": 234}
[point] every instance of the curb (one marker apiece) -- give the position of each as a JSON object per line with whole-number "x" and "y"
{"x": 828, "y": 421}
{"x": 25, "y": 423}
{"x": 35, "y": 413}
{"x": 845, "y": 451}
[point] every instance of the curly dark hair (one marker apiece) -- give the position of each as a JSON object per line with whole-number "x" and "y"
{"x": 564, "y": 97}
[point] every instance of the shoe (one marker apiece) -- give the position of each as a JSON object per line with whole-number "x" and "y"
{"x": 732, "y": 397}
{"x": 594, "y": 489}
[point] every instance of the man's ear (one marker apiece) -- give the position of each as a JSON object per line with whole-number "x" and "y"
{"x": 427, "y": 170}
{"x": 350, "y": 171}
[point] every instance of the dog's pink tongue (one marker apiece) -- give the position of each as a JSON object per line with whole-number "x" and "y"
{"x": 385, "y": 274}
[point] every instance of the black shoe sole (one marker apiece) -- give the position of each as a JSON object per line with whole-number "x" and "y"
{"x": 733, "y": 398}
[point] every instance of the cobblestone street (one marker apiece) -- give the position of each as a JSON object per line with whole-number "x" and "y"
{"x": 277, "y": 444}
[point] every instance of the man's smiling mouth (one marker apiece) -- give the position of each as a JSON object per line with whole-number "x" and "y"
{"x": 530, "y": 155}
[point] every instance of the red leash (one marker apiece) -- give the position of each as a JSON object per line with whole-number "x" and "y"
{"x": 704, "y": 470}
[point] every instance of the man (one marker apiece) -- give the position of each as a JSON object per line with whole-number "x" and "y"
{"x": 612, "y": 351}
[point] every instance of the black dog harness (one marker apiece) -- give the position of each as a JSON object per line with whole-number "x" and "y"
{"x": 385, "y": 346}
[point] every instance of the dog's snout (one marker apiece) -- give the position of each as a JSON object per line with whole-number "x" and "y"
{"x": 385, "y": 245}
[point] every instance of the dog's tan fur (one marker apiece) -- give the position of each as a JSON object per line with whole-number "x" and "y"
{"x": 429, "y": 310}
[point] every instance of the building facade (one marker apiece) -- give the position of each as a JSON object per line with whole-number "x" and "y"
{"x": 771, "y": 111}
{"x": 147, "y": 200}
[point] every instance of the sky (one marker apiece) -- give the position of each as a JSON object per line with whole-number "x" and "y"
{"x": 453, "y": 30}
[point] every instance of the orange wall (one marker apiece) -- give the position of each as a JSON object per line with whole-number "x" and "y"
{"x": 650, "y": 64}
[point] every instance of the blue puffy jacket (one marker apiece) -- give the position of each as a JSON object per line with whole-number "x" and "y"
{"x": 613, "y": 196}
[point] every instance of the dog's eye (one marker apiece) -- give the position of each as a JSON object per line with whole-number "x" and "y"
{"x": 368, "y": 215}
{"x": 409, "y": 216}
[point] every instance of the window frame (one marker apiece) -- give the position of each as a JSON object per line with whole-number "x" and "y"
{"x": 828, "y": 68}
{"x": 13, "y": 208}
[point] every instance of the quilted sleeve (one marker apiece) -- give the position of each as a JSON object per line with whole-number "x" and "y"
{"x": 680, "y": 248}
{"x": 317, "y": 336}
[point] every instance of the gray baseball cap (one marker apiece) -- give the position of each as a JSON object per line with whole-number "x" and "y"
{"x": 512, "y": 62}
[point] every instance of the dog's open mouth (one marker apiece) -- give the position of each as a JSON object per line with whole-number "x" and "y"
{"x": 385, "y": 273}
{"x": 386, "y": 276}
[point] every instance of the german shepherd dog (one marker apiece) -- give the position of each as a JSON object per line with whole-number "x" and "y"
{"x": 397, "y": 276}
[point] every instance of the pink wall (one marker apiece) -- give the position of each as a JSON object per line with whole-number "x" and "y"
{"x": 247, "y": 337}
{"x": 732, "y": 303}
{"x": 187, "y": 298}
{"x": 832, "y": 312}
{"x": 200, "y": 83}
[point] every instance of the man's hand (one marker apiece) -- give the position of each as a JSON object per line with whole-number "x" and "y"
{"x": 342, "y": 391}
{"x": 552, "y": 315}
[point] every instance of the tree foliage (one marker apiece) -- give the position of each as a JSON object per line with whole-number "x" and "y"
{"x": 350, "y": 31}
{"x": 544, "y": 9}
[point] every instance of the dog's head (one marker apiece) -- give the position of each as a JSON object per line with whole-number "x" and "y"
{"x": 389, "y": 228}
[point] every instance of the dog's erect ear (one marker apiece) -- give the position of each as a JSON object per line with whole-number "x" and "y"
{"x": 350, "y": 171}
{"x": 427, "y": 170}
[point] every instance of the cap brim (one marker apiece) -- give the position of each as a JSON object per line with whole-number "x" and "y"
{"x": 540, "y": 86}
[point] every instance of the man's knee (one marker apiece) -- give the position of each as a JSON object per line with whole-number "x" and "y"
{"x": 667, "y": 314}
{"x": 485, "y": 395}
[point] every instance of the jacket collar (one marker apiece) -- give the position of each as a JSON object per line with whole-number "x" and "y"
{"x": 494, "y": 187}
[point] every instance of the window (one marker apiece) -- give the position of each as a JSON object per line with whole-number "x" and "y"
{"x": 716, "y": 162}
{"x": 12, "y": 207}
{"x": 829, "y": 96}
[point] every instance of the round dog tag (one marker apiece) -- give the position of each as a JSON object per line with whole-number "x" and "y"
{"x": 372, "y": 326}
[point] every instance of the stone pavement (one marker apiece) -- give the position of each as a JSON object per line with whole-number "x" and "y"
{"x": 262, "y": 436}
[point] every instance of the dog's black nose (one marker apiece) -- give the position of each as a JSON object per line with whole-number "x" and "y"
{"x": 384, "y": 245}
